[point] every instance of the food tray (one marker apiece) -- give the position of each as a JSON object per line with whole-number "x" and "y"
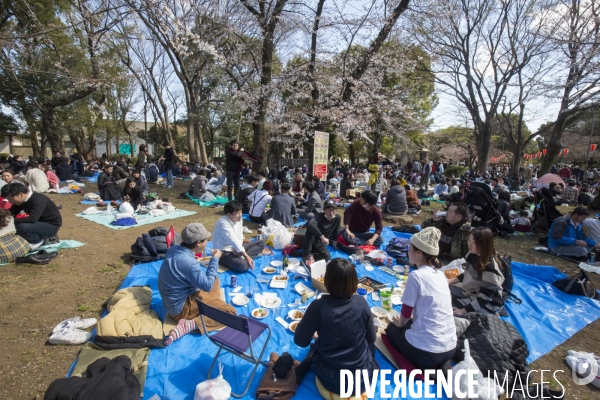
{"x": 372, "y": 283}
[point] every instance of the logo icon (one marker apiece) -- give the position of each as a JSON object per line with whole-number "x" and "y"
{"x": 586, "y": 367}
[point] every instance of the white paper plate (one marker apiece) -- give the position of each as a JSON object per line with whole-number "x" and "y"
{"x": 398, "y": 268}
{"x": 240, "y": 300}
{"x": 291, "y": 315}
{"x": 294, "y": 261}
{"x": 276, "y": 264}
{"x": 278, "y": 284}
{"x": 266, "y": 302}
{"x": 265, "y": 313}
{"x": 269, "y": 270}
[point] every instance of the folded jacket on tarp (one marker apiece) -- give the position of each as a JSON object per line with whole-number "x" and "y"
{"x": 104, "y": 379}
{"x": 130, "y": 321}
{"x": 124, "y": 222}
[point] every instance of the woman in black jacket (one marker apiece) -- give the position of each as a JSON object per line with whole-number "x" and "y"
{"x": 108, "y": 187}
{"x": 504, "y": 211}
{"x": 133, "y": 193}
{"x": 344, "y": 327}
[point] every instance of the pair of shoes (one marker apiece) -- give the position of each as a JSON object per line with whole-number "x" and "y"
{"x": 170, "y": 187}
{"x": 503, "y": 235}
{"x": 246, "y": 230}
{"x": 427, "y": 203}
{"x": 40, "y": 257}
{"x": 216, "y": 205}
{"x": 51, "y": 240}
{"x": 583, "y": 365}
{"x": 70, "y": 331}
{"x": 35, "y": 246}
{"x": 182, "y": 196}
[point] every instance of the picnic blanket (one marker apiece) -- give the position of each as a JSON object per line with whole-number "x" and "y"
{"x": 218, "y": 200}
{"x": 94, "y": 202}
{"x": 141, "y": 219}
{"x": 300, "y": 222}
{"x": 546, "y": 318}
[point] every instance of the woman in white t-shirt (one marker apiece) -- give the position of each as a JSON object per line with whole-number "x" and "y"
{"x": 429, "y": 339}
{"x": 260, "y": 199}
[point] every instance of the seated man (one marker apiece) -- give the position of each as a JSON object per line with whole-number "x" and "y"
{"x": 64, "y": 170}
{"x": 321, "y": 231}
{"x": 566, "y": 236}
{"x": 43, "y": 220}
{"x": 283, "y": 206}
{"x": 455, "y": 231}
{"x": 238, "y": 252}
{"x": 313, "y": 203}
{"x": 358, "y": 219}
{"x": 570, "y": 194}
{"x": 36, "y": 178}
{"x": 182, "y": 280}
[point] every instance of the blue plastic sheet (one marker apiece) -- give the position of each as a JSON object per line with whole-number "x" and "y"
{"x": 546, "y": 318}
{"x": 141, "y": 219}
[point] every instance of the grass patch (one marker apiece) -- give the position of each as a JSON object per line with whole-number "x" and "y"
{"x": 83, "y": 308}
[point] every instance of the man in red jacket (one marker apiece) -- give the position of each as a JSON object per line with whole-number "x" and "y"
{"x": 358, "y": 219}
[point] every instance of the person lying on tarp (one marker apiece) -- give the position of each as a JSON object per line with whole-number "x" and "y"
{"x": 238, "y": 252}
{"x": 566, "y": 237}
{"x": 182, "y": 280}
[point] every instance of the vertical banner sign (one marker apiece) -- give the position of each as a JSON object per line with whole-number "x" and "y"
{"x": 594, "y": 147}
{"x": 320, "y": 154}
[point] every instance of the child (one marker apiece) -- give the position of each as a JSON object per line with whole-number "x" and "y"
{"x": 522, "y": 224}
{"x": 152, "y": 172}
{"x": 140, "y": 180}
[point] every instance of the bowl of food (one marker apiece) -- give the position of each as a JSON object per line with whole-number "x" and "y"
{"x": 379, "y": 312}
{"x": 260, "y": 313}
{"x": 293, "y": 326}
{"x": 204, "y": 260}
{"x": 240, "y": 300}
{"x": 276, "y": 264}
{"x": 269, "y": 270}
{"x": 296, "y": 315}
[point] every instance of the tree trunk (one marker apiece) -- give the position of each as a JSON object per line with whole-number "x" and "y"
{"x": 483, "y": 144}
{"x": 554, "y": 145}
{"x": 200, "y": 140}
{"x": 517, "y": 157}
{"x": 50, "y": 131}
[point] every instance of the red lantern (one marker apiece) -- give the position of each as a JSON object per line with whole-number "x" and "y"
{"x": 535, "y": 156}
{"x": 544, "y": 151}
{"x": 594, "y": 147}
{"x": 539, "y": 154}
{"x": 566, "y": 151}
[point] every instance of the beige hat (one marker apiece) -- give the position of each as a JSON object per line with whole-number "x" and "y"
{"x": 194, "y": 232}
{"x": 427, "y": 240}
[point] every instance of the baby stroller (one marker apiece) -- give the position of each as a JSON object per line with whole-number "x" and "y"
{"x": 483, "y": 207}
{"x": 545, "y": 209}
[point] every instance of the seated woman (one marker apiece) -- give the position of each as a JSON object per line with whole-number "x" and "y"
{"x": 133, "y": 193}
{"x": 12, "y": 246}
{"x": 429, "y": 339}
{"x": 8, "y": 177}
{"x": 140, "y": 180}
{"x": 480, "y": 288}
{"x": 411, "y": 198}
{"x": 346, "y": 183}
{"x": 260, "y": 199}
{"x": 198, "y": 185}
{"x": 342, "y": 325}
{"x": 108, "y": 187}
{"x": 298, "y": 184}
{"x": 395, "y": 198}
{"x": 51, "y": 176}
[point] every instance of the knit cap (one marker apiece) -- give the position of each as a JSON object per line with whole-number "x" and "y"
{"x": 427, "y": 240}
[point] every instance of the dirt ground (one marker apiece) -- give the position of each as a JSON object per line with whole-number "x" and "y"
{"x": 33, "y": 299}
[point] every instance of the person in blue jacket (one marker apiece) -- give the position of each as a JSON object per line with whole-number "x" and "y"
{"x": 566, "y": 237}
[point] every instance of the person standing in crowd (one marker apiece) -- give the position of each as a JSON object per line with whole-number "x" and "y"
{"x": 43, "y": 218}
{"x": 428, "y": 339}
{"x": 142, "y": 156}
{"x": 228, "y": 236}
{"x": 426, "y": 171}
{"x": 233, "y": 165}
{"x": 169, "y": 161}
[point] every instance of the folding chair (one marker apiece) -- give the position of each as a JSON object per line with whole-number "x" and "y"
{"x": 237, "y": 337}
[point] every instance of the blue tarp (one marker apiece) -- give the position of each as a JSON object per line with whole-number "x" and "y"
{"x": 546, "y": 318}
{"x": 300, "y": 222}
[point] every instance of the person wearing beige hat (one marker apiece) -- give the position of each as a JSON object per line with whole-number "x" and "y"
{"x": 182, "y": 280}
{"x": 429, "y": 339}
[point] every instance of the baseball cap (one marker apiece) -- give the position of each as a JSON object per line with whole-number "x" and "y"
{"x": 329, "y": 203}
{"x": 194, "y": 232}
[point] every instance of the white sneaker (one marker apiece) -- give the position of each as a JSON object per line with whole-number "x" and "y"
{"x": 246, "y": 230}
{"x": 70, "y": 335}
{"x": 581, "y": 365}
{"x": 79, "y": 323}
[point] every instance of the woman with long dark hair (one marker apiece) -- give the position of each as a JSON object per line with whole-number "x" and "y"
{"x": 480, "y": 287}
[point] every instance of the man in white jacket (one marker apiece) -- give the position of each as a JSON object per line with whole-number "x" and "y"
{"x": 36, "y": 178}
{"x": 228, "y": 236}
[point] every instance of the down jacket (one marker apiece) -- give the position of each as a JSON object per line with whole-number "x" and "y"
{"x": 495, "y": 346}
{"x": 130, "y": 321}
{"x": 106, "y": 379}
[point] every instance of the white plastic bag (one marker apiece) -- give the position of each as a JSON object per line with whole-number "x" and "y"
{"x": 485, "y": 388}
{"x": 90, "y": 211}
{"x": 126, "y": 207}
{"x": 281, "y": 236}
{"x": 92, "y": 196}
{"x": 207, "y": 197}
{"x": 109, "y": 210}
{"x": 213, "y": 389}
